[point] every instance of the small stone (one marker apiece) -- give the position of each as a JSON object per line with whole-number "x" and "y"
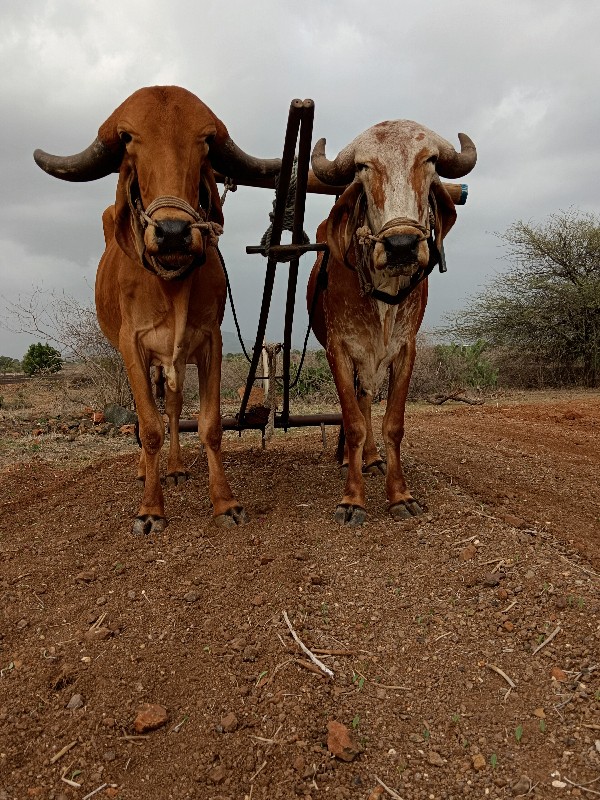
{"x": 559, "y": 784}
{"x": 259, "y": 599}
{"x": 435, "y": 759}
{"x": 76, "y": 701}
{"x": 469, "y": 552}
{"x": 229, "y": 723}
{"x": 340, "y": 741}
{"x": 478, "y": 762}
{"x": 492, "y": 579}
{"x": 558, "y": 674}
{"x": 266, "y": 560}
{"x": 217, "y": 774}
{"x": 514, "y": 521}
{"x": 102, "y": 601}
{"x": 86, "y": 576}
{"x": 508, "y": 626}
{"x": 109, "y": 722}
{"x": 191, "y": 597}
{"x": 97, "y": 634}
{"x": 150, "y": 717}
{"x": 521, "y": 786}
{"x": 110, "y": 755}
{"x": 540, "y": 713}
{"x": 22, "y": 624}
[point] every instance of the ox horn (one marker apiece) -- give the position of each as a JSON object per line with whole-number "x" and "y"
{"x": 229, "y": 159}
{"x": 451, "y": 164}
{"x": 338, "y": 172}
{"x": 96, "y": 161}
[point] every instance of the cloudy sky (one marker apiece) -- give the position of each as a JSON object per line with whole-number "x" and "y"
{"x": 521, "y": 77}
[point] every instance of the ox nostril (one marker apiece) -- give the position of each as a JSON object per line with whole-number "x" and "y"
{"x": 173, "y": 235}
{"x": 402, "y": 243}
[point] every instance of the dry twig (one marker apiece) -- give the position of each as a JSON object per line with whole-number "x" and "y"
{"x": 549, "y": 639}
{"x": 391, "y": 792}
{"x": 583, "y": 787}
{"x": 502, "y": 674}
{"x": 305, "y": 649}
{"x": 63, "y": 752}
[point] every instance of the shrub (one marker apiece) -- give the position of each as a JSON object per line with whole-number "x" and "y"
{"x": 41, "y": 359}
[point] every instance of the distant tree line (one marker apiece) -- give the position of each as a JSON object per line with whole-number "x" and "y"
{"x": 540, "y": 319}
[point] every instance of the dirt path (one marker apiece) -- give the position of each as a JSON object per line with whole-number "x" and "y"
{"x": 428, "y": 621}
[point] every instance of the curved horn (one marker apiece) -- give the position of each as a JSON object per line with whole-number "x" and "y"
{"x": 96, "y": 161}
{"x": 228, "y": 159}
{"x": 338, "y": 172}
{"x": 451, "y": 164}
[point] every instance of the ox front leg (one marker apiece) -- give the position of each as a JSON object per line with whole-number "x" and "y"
{"x": 351, "y": 510}
{"x": 151, "y": 516}
{"x": 402, "y": 503}
{"x": 227, "y": 511}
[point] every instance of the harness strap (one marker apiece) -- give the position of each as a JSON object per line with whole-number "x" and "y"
{"x": 210, "y": 229}
{"x": 363, "y": 244}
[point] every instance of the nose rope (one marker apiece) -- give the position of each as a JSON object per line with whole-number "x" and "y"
{"x": 210, "y": 229}
{"x": 365, "y": 236}
{"x": 366, "y": 240}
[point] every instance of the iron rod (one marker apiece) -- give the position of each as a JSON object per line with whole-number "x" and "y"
{"x": 291, "y": 135}
{"x": 306, "y": 125}
{"x": 294, "y": 421}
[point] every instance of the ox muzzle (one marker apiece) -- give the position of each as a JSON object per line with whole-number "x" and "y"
{"x": 173, "y": 245}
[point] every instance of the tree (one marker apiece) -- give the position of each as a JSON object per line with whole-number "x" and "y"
{"x": 8, "y": 364}
{"x": 41, "y": 358}
{"x": 64, "y": 321}
{"x": 546, "y": 306}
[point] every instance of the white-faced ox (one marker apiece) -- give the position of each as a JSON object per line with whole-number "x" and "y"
{"x": 385, "y": 235}
{"x": 161, "y": 286}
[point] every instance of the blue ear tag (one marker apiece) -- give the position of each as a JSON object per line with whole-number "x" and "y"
{"x": 464, "y": 193}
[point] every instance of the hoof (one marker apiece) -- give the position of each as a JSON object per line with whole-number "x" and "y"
{"x": 407, "y": 509}
{"x": 149, "y": 523}
{"x": 176, "y": 478}
{"x": 347, "y": 514}
{"x": 375, "y": 468}
{"x": 232, "y": 517}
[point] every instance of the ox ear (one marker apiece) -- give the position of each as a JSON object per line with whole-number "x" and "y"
{"x": 128, "y": 231}
{"x": 344, "y": 218}
{"x": 443, "y": 209}
{"x": 210, "y": 199}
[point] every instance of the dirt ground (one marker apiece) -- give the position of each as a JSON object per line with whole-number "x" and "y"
{"x": 464, "y": 645}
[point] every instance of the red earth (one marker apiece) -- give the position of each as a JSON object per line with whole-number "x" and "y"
{"x": 464, "y": 644}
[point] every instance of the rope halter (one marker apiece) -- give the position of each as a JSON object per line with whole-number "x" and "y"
{"x": 212, "y": 230}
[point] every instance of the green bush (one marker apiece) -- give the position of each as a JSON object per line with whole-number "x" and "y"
{"x": 466, "y": 364}
{"x": 41, "y": 358}
{"x": 8, "y": 364}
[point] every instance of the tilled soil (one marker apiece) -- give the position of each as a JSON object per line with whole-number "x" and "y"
{"x": 464, "y": 644}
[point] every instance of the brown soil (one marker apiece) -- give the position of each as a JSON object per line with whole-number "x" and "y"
{"x": 422, "y": 616}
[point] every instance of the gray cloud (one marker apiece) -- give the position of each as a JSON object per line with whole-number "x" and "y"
{"x": 521, "y": 78}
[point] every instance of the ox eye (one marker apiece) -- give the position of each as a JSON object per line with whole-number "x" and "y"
{"x": 125, "y": 137}
{"x": 432, "y": 159}
{"x": 360, "y": 167}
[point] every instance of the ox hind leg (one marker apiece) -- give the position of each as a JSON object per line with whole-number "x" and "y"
{"x": 351, "y": 509}
{"x": 373, "y": 464}
{"x": 151, "y": 515}
{"x": 176, "y": 470}
{"x": 227, "y": 511}
{"x": 402, "y": 504}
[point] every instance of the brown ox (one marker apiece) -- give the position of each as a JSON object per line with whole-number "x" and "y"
{"x": 385, "y": 235}
{"x": 161, "y": 287}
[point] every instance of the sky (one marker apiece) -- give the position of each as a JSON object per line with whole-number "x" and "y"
{"x": 520, "y": 77}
